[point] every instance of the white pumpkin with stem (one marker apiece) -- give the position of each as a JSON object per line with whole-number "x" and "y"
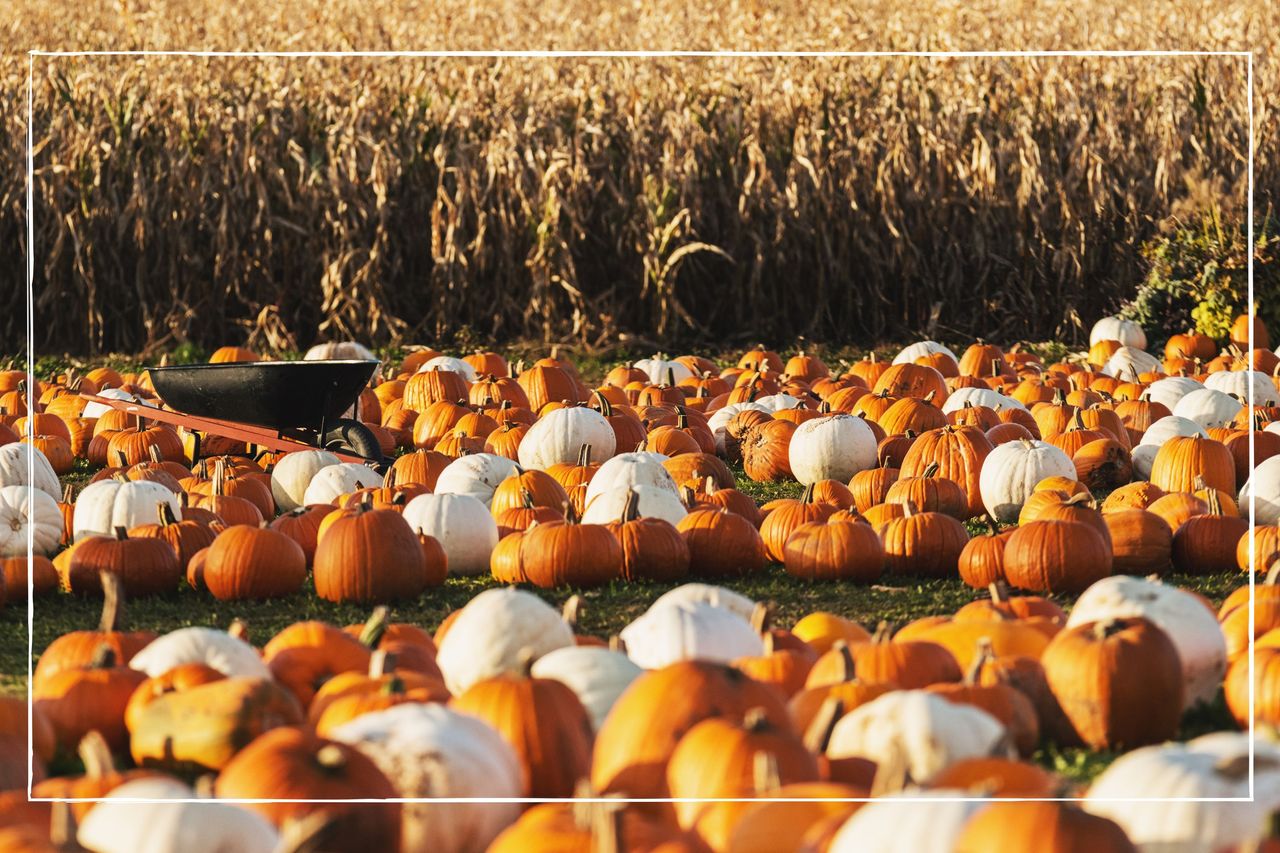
{"x": 1208, "y": 408}
{"x": 559, "y": 435}
{"x": 475, "y": 474}
{"x": 777, "y": 402}
{"x": 122, "y": 824}
{"x": 1170, "y": 426}
{"x": 680, "y": 630}
{"x": 1169, "y": 390}
{"x": 1011, "y": 471}
{"x": 1263, "y": 486}
{"x": 1190, "y": 625}
{"x": 13, "y": 469}
{"x": 598, "y": 675}
{"x": 900, "y": 823}
{"x": 454, "y": 365}
{"x": 1129, "y": 362}
{"x": 988, "y": 397}
{"x": 716, "y": 596}
{"x": 663, "y": 372}
{"x": 1212, "y": 766}
{"x": 462, "y": 524}
{"x": 293, "y": 472}
{"x": 220, "y": 650}
{"x": 917, "y": 734}
{"x": 831, "y": 447}
{"x": 920, "y": 349}
{"x": 1237, "y": 383}
{"x": 28, "y": 512}
{"x": 638, "y": 468}
{"x": 1127, "y": 332}
{"x": 653, "y": 502}
{"x": 334, "y": 481}
{"x": 107, "y": 504}
{"x": 491, "y": 633}
{"x": 430, "y": 751}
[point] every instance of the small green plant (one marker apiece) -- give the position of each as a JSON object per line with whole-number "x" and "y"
{"x": 1200, "y": 270}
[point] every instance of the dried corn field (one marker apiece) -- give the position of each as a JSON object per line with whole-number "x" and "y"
{"x": 281, "y": 200}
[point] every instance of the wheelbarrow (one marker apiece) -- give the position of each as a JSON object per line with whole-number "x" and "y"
{"x": 276, "y": 405}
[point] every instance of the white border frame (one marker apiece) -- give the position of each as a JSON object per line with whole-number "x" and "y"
{"x": 636, "y": 54}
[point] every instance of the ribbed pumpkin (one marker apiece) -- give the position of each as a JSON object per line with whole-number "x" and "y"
{"x": 253, "y": 563}
{"x": 1056, "y": 556}
{"x": 764, "y": 450}
{"x": 144, "y": 566}
{"x": 1141, "y": 542}
{"x": 871, "y": 487}
{"x": 930, "y": 492}
{"x": 1206, "y": 544}
{"x": 923, "y": 544}
{"x": 1002, "y": 701}
{"x": 909, "y": 664}
{"x": 185, "y": 537}
{"x": 652, "y": 549}
{"x": 369, "y": 555}
{"x": 839, "y": 681}
{"x": 981, "y": 561}
{"x": 1045, "y": 826}
{"x": 420, "y": 466}
{"x": 569, "y": 554}
{"x": 93, "y": 698}
{"x": 834, "y": 550}
{"x": 542, "y": 490}
{"x": 912, "y": 380}
{"x": 958, "y": 452}
{"x": 1119, "y": 682}
{"x": 76, "y": 649}
{"x": 1183, "y": 459}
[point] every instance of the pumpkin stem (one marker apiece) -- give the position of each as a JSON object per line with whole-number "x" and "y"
{"x": 765, "y": 777}
{"x": 985, "y": 655}
{"x": 122, "y": 460}
{"x": 112, "y": 602}
{"x": 931, "y": 470}
{"x": 331, "y": 758}
{"x": 756, "y": 720}
{"x": 104, "y": 657}
{"x": 631, "y": 507}
{"x": 121, "y": 534}
{"x": 584, "y": 456}
{"x": 1233, "y": 767}
{"x": 1273, "y": 574}
{"x": 848, "y": 669}
{"x": 166, "y": 514}
{"x": 375, "y": 627}
{"x": 1107, "y": 627}
{"x": 381, "y": 662}
{"x": 239, "y": 629}
{"x": 999, "y": 591}
{"x": 524, "y": 662}
{"x": 572, "y": 612}
{"x": 884, "y": 631}
{"x": 807, "y": 497}
{"x": 818, "y": 735}
{"x": 62, "y": 828}
{"x": 95, "y": 755}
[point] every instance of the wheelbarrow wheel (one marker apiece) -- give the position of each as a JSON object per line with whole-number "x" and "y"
{"x": 353, "y": 437}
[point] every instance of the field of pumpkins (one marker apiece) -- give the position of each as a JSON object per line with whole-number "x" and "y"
{"x": 899, "y": 590}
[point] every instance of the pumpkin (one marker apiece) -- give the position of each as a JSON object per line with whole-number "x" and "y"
{"x": 558, "y": 435}
{"x": 1141, "y": 542}
{"x": 926, "y": 544}
{"x": 1041, "y": 826}
{"x": 834, "y": 447}
{"x": 998, "y": 777}
{"x": 651, "y": 547}
{"x": 765, "y": 450}
{"x": 909, "y": 664}
{"x": 1119, "y": 681}
{"x": 981, "y": 561}
{"x": 1182, "y": 463}
{"x": 1010, "y": 472}
{"x": 963, "y": 637}
{"x": 834, "y": 550}
{"x": 185, "y": 537}
{"x": 181, "y": 677}
{"x": 788, "y": 515}
{"x": 489, "y": 633}
{"x": 94, "y": 698}
{"x": 913, "y": 735}
{"x": 144, "y": 566}
{"x": 1259, "y": 547}
{"x": 28, "y": 517}
{"x": 289, "y": 764}
{"x": 1208, "y": 407}
{"x": 225, "y": 651}
{"x": 431, "y": 752}
{"x": 636, "y": 741}
{"x": 929, "y": 492}
{"x": 76, "y": 649}
{"x": 1056, "y": 556}
{"x": 293, "y": 473}
{"x": 562, "y": 553}
{"x": 673, "y": 630}
{"x": 461, "y": 524}
{"x": 103, "y": 506}
{"x": 14, "y": 470}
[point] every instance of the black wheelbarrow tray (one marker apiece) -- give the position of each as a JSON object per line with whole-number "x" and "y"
{"x": 276, "y": 405}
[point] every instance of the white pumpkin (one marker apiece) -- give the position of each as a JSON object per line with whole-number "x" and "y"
{"x": 663, "y": 372}
{"x": 229, "y": 655}
{"x": 334, "y": 481}
{"x": 476, "y": 474}
{"x": 1127, "y": 332}
{"x": 918, "y": 731}
{"x": 720, "y": 418}
{"x": 1274, "y": 426}
{"x": 107, "y": 504}
{"x": 1190, "y": 625}
{"x": 97, "y": 410}
{"x": 1213, "y": 766}
{"x": 832, "y": 447}
{"x": 13, "y": 469}
{"x": 979, "y": 397}
{"x": 716, "y": 596}
{"x": 559, "y": 436}
{"x": 901, "y": 823}
{"x": 291, "y": 475}
{"x": 596, "y": 674}
{"x": 341, "y": 351}
{"x": 1011, "y": 471}
{"x": 654, "y": 502}
{"x": 1208, "y": 408}
{"x": 1128, "y": 362}
{"x": 1156, "y": 435}
{"x": 683, "y": 630}
{"x": 28, "y": 512}
{"x": 1237, "y": 383}
{"x": 124, "y": 823}
{"x": 1169, "y": 390}
{"x": 1263, "y": 486}
{"x": 639, "y": 468}
{"x": 909, "y": 353}
{"x": 454, "y": 365}
{"x": 777, "y": 402}
{"x": 492, "y": 631}
{"x": 462, "y": 524}
{"x": 432, "y": 752}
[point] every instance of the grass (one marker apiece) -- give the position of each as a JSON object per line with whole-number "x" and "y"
{"x": 607, "y": 610}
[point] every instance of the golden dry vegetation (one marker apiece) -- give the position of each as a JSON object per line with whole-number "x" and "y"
{"x": 209, "y": 199}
